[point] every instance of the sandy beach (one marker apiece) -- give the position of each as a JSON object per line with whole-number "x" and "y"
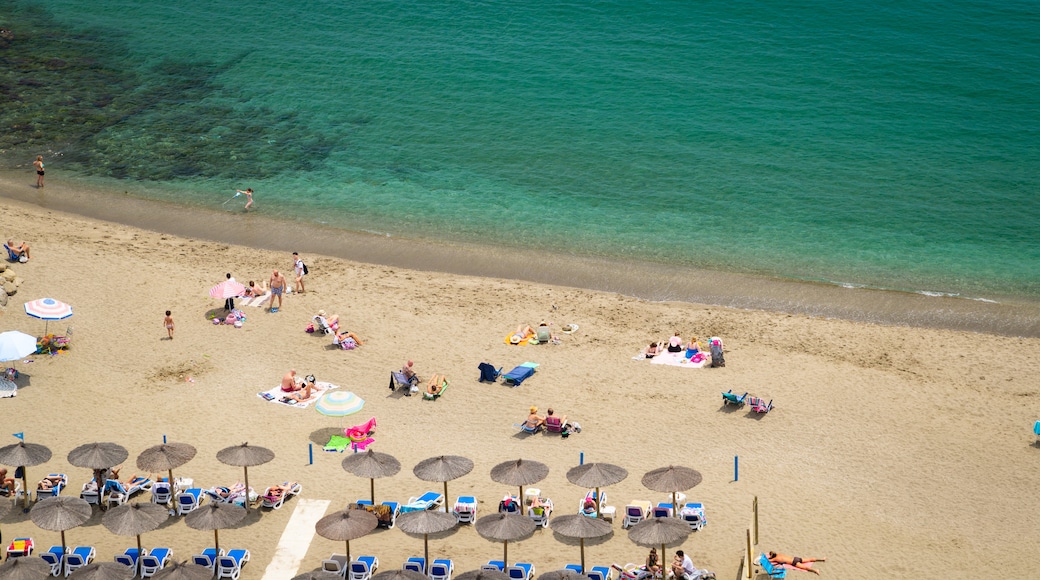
{"x": 893, "y": 451}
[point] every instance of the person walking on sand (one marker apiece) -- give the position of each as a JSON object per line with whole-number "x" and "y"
{"x": 38, "y": 164}
{"x": 229, "y": 303}
{"x": 300, "y": 270}
{"x": 168, "y": 322}
{"x": 249, "y": 196}
{"x": 277, "y": 286}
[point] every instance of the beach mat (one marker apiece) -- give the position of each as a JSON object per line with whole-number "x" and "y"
{"x": 276, "y": 395}
{"x": 672, "y": 359}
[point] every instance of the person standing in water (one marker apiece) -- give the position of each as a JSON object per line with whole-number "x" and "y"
{"x": 38, "y": 164}
{"x": 249, "y": 196}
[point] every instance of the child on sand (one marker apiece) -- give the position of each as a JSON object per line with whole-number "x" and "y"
{"x": 168, "y": 322}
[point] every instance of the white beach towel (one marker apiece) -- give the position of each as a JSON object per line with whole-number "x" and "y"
{"x": 276, "y": 395}
{"x": 672, "y": 359}
{"x": 8, "y": 389}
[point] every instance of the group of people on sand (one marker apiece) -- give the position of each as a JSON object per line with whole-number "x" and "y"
{"x": 535, "y": 422}
{"x": 526, "y": 333}
{"x": 434, "y": 387}
{"x": 297, "y": 389}
{"x": 332, "y": 323}
{"x": 692, "y": 350}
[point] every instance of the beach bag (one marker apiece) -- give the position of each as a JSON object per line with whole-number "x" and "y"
{"x": 348, "y": 344}
{"x": 305, "y": 269}
{"x": 717, "y": 360}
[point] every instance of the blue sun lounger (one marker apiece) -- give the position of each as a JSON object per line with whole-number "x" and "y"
{"x": 518, "y": 375}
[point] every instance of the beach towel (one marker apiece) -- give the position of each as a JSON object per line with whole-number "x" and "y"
{"x": 337, "y": 443}
{"x": 276, "y": 395}
{"x": 255, "y": 301}
{"x": 674, "y": 359}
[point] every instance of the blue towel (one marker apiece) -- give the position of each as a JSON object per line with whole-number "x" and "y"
{"x": 518, "y": 375}
{"x": 488, "y": 372}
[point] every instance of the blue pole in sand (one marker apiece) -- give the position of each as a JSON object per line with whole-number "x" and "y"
{"x": 310, "y": 449}
{"x": 164, "y": 439}
{"x": 581, "y": 458}
{"x": 736, "y": 468}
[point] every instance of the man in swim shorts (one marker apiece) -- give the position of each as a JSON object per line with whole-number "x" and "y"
{"x": 277, "y": 285}
{"x": 800, "y": 563}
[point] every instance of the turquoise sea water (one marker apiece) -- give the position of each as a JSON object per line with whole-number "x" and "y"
{"x": 887, "y": 144}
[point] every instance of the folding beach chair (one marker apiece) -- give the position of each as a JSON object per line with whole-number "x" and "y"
{"x": 520, "y": 571}
{"x": 488, "y": 372}
{"x": 430, "y": 500}
{"x": 760, "y": 405}
{"x": 769, "y": 568}
{"x": 336, "y": 563}
{"x": 729, "y": 398}
{"x": 129, "y": 558}
{"x": 55, "y": 558}
{"x": 398, "y": 380}
{"x": 519, "y": 374}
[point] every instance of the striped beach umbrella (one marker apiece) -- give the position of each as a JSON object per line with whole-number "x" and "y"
{"x": 339, "y": 403}
{"x": 48, "y": 309}
{"x": 227, "y": 289}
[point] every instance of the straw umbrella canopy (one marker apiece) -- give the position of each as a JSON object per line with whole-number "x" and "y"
{"x": 318, "y": 575}
{"x": 520, "y": 472}
{"x": 244, "y": 456}
{"x": 596, "y": 475}
{"x": 103, "y": 571}
{"x": 98, "y": 457}
{"x": 134, "y": 519}
{"x": 505, "y": 528}
{"x": 183, "y": 571}
{"x": 24, "y": 569}
{"x": 165, "y": 457}
{"x": 443, "y": 468}
{"x": 561, "y": 575}
{"x": 400, "y": 575}
{"x": 425, "y": 522}
{"x": 215, "y": 516}
{"x": 60, "y": 513}
{"x": 24, "y": 455}
{"x": 655, "y": 532}
{"x": 371, "y": 464}
{"x": 346, "y": 525}
{"x": 483, "y": 575}
{"x": 673, "y": 478}
{"x": 580, "y": 526}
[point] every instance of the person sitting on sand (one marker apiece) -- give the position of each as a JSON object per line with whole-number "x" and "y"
{"x": 20, "y": 250}
{"x": 341, "y": 336}
{"x": 303, "y": 390}
{"x": 289, "y": 382}
{"x": 50, "y": 482}
{"x": 675, "y": 343}
{"x": 534, "y": 421}
{"x": 692, "y": 348}
{"x": 330, "y": 321}
{"x": 436, "y": 384}
{"x": 652, "y": 350}
{"x": 800, "y": 563}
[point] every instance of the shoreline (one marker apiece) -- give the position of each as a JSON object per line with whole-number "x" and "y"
{"x": 878, "y": 433}
{"x": 1007, "y": 316}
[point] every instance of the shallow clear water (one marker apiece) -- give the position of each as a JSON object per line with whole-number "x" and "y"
{"x": 880, "y": 145}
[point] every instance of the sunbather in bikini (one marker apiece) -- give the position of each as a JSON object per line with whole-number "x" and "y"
{"x": 436, "y": 385}
{"x": 277, "y": 491}
{"x": 6, "y": 483}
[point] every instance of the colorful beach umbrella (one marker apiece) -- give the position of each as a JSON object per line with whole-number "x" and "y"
{"x": 227, "y": 289}
{"x": 14, "y": 345}
{"x": 48, "y": 309}
{"x": 339, "y": 404}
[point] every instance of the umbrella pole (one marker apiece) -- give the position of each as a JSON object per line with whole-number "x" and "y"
{"x": 138, "y": 562}
{"x": 245, "y": 468}
{"x": 25, "y": 487}
{"x": 426, "y": 551}
{"x": 505, "y": 554}
{"x": 170, "y": 481}
{"x": 63, "y": 548}
{"x": 216, "y": 544}
{"x": 520, "y": 499}
{"x": 348, "y": 552}
{"x": 372, "y": 489}
{"x": 675, "y": 506}
{"x": 598, "y": 503}
{"x": 445, "y": 497}
{"x": 582, "y": 540}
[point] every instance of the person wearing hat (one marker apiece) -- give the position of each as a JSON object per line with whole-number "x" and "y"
{"x": 332, "y": 322}
{"x": 534, "y": 421}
